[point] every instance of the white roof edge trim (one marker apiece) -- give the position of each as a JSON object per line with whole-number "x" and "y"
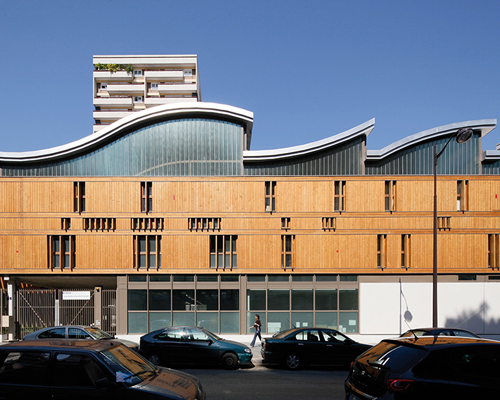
{"x": 171, "y": 109}
{"x": 485, "y": 125}
{"x": 289, "y": 152}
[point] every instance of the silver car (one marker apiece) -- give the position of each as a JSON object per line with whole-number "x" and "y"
{"x": 76, "y": 332}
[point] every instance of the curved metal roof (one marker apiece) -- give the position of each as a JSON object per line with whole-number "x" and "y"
{"x": 162, "y": 112}
{"x": 483, "y": 125}
{"x": 313, "y": 147}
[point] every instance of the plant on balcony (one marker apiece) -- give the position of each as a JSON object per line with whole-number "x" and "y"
{"x": 114, "y": 67}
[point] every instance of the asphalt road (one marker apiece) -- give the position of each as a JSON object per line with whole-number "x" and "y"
{"x": 259, "y": 382}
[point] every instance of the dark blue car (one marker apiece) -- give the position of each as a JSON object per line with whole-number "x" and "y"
{"x": 192, "y": 345}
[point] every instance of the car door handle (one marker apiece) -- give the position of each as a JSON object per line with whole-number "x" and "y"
{"x": 301, "y": 344}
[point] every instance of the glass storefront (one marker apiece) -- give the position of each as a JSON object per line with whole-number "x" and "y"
{"x": 215, "y": 302}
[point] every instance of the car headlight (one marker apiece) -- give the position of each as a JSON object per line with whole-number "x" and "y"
{"x": 248, "y": 350}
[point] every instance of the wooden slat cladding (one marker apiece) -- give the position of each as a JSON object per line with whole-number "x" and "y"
{"x": 33, "y": 209}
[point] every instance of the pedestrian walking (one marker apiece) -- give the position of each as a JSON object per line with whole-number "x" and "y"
{"x": 258, "y": 326}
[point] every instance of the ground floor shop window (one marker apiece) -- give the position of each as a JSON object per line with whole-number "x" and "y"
{"x": 227, "y": 304}
{"x": 299, "y": 308}
{"x": 150, "y": 309}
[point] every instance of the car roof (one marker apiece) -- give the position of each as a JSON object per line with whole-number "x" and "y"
{"x": 65, "y": 326}
{"x": 437, "y": 329}
{"x": 60, "y": 344}
{"x": 439, "y": 341}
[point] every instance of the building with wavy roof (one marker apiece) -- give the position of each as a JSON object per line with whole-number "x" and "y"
{"x": 167, "y": 217}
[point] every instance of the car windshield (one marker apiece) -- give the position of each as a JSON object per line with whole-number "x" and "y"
{"x": 213, "y": 335}
{"x": 98, "y": 334}
{"x": 128, "y": 366}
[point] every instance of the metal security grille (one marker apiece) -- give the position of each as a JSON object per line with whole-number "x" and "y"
{"x": 108, "y": 322}
{"x": 76, "y": 312}
{"x": 41, "y": 308}
{"x": 36, "y": 309}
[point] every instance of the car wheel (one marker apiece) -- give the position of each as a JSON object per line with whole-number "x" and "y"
{"x": 292, "y": 361}
{"x": 229, "y": 361}
{"x": 154, "y": 359}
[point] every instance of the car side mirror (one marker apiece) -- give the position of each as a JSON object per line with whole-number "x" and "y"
{"x": 348, "y": 341}
{"x": 210, "y": 341}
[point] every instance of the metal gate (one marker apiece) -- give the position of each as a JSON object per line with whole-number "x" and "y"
{"x": 76, "y": 310}
{"x": 35, "y": 309}
{"x": 108, "y": 323}
{"x": 41, "y": 308}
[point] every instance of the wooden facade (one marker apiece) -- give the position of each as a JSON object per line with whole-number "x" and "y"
{"x": 32, "y": 210}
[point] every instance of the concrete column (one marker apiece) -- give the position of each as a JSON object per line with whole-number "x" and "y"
{"x": 121, "y": 305}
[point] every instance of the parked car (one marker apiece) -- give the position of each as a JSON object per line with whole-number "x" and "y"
{"x": 296, "y": 347}
{"x": 192, "y": 345}
{"x": 429, "y": 367}
{"x": 87, "y": 369}
{"x": 439, "y": 331}
{"x": 76, "y": 332}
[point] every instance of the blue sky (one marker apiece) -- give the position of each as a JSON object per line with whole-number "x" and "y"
{"x": 308, "y": 70}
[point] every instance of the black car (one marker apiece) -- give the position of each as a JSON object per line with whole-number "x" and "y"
{"x": 429, "y": 367}
{"x": 76, "y": 332}
{"x": 192, "y": 345}
{"x": 439, "y": 332}
{"x": 296, "y": 347}
{"x": 87, "y": 369}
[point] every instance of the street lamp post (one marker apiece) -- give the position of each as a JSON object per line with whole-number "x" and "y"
{"x": 463, "y": 135}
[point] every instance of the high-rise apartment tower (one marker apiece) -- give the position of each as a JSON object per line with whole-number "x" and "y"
{"x": 125, "y": 84}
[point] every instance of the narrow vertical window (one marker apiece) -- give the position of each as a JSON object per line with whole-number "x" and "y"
{"x": 390, "y": 196}
{"x": 462, "y": 195}
{"x": 147, "y": 252}
{"x": 62, "y": 252}
{"x": 285, "y": 223}
{"x": 494, "y": 251}
{"x": 405, "y": 251}
{"x": 339, "y": 196}
{"x": 270, "y": 196}
{"x": 382, "y": 251}
{"x": 79, "y": 197}
{"x": 287, "y": 254}
{"x": 146, "y": 197}
{"x": 223, "y": 251}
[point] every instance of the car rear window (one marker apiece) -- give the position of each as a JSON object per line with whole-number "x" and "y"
{"x": 397, "y": 357}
